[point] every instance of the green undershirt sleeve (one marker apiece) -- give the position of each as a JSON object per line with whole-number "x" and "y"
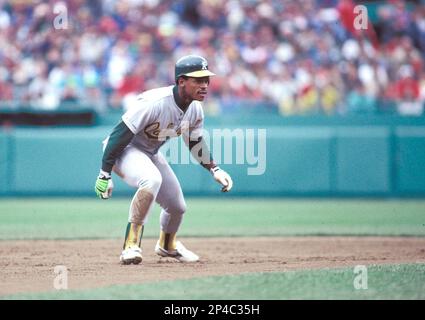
{"x": 120, "y": 137}
{"x": 201, "y": 153}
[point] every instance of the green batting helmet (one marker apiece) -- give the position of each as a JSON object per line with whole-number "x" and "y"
{"x": 192, "y": 66}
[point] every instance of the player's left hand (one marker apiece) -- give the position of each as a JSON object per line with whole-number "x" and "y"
{"x": 104, "y": 185}
{"x": 223, "y": 178}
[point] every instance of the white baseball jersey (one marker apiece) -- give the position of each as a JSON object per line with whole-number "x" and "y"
{"x": 155, "y": 117}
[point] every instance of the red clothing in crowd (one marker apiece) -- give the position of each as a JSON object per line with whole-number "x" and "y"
{"x": 131, "y": 83}
{"x": 407, "y": 88}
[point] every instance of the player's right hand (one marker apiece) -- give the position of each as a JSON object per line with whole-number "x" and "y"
{"x": 223, "y": 178}
{"x": 104, "y": 185}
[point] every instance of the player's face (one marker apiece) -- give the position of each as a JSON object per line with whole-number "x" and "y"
{"x": 197, "y": 88}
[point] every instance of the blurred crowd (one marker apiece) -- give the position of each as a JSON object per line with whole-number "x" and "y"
{"x": 291, "y": 57}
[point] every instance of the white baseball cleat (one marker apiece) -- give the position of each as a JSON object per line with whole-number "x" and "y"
{"x": 181, "y": 253}
{"x": 132, "y": 254}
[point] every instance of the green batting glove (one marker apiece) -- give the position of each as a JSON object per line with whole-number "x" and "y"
{"x": 104, "y": 185}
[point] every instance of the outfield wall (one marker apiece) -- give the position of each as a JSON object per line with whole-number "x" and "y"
{"x": 309, "y": 160}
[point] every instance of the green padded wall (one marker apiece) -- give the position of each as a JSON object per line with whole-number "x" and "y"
{"x": 299, "y": 160}
{"x": 363, "y": 160}
{"x": 410, "y": 159}
{"x": 5, "y": 159}
{"x": 54, "y": 161}
{"x": 57, "y": 161}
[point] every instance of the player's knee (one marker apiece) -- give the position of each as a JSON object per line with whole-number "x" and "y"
{"x": 152, "y": 183}
{"x": 155, "y": 183}
{"x": 177, "y": 208}
{"x": 181, "y": 209}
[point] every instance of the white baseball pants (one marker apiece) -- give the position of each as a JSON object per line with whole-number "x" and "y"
{"x": 155, "y": 181}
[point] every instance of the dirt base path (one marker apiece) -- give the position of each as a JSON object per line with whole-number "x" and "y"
{"x": 28, "y": 266}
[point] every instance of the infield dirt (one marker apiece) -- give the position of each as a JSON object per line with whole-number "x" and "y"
{"x": 28, "y": 265}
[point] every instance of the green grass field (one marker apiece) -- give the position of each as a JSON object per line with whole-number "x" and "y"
{"x": 92, "y": 218}
{"x": 36, "y": 218}
{"x": 384, "y": 282}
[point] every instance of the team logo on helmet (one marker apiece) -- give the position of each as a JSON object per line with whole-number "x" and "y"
{"x": 204, "y": 65}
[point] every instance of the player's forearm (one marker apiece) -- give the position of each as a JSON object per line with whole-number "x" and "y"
{"x": 201, "y": 153}
{"x": 120, "y": 137}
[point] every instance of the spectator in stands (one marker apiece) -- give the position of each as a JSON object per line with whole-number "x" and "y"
{"x": 359, "y": 101}
{"x": 408, "y": 93}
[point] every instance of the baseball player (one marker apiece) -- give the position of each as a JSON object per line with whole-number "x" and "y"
{"x": 131, "y": 151}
